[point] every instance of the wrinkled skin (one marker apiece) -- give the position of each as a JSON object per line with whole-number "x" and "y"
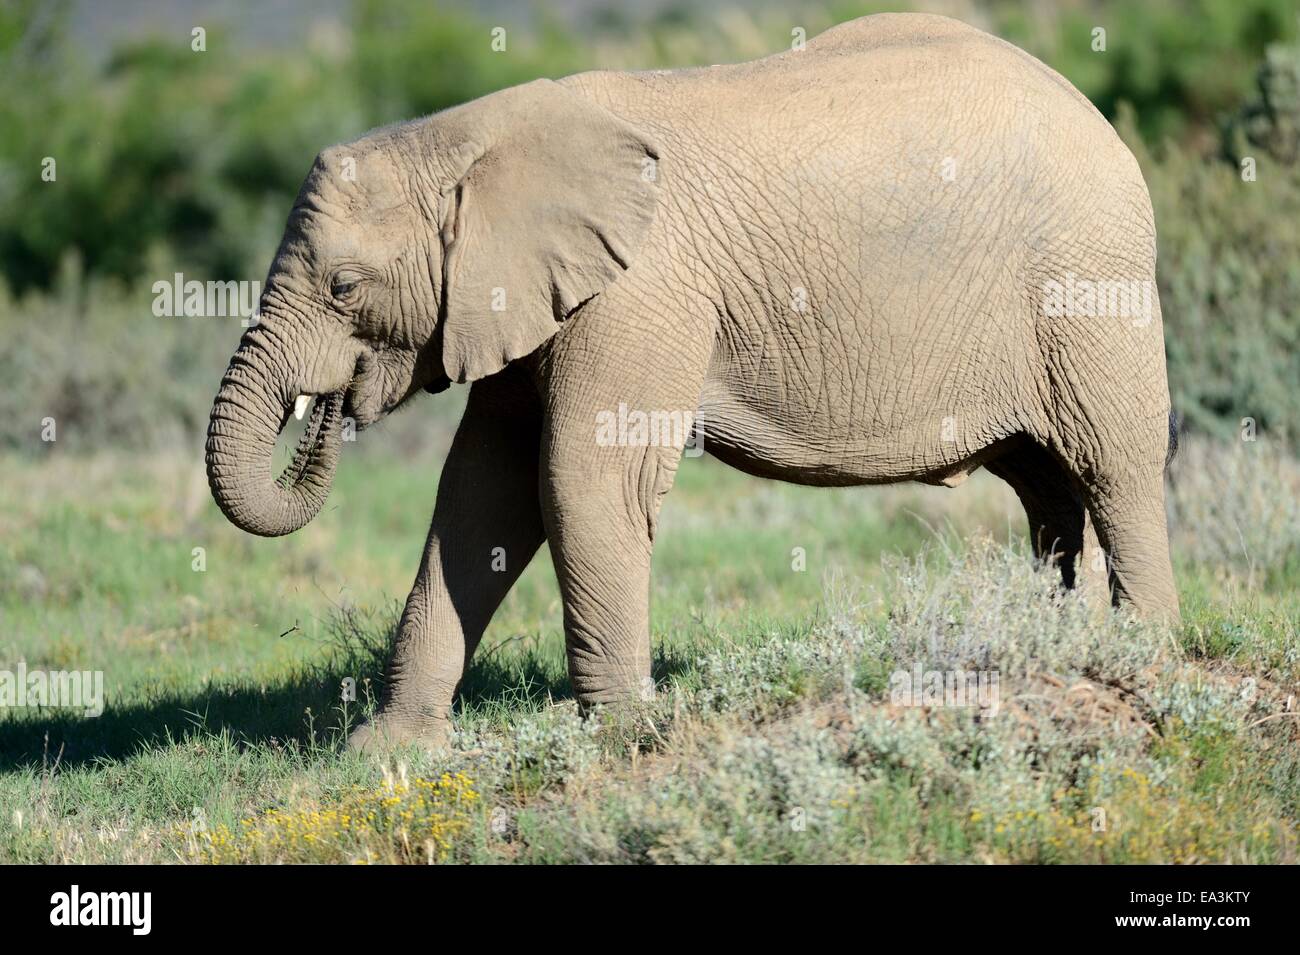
{"x": 837, "y": 256}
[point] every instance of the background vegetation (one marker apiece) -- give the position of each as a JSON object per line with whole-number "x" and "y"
{"x": 773, "y": 738}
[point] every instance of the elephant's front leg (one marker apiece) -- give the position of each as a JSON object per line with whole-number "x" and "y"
{"x": 601, "y": 511}
{"x": 622, "y": 393}
{"x": 486, "y": 527}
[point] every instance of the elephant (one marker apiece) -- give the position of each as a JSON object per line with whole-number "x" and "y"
{"x": 902, "y": 251}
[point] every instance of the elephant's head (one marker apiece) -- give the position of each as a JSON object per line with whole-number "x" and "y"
{"x": 424, "y": 253}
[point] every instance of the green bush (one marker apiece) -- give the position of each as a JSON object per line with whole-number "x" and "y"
{"x": 1179, "y": 64}
{"x": 106, "y": 370}
{"x": 1229, "y": 263}
{"x": 202, "y": 153}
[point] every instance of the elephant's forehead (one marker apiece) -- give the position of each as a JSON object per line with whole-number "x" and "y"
{"x": 359, "y": 183}
{"x": 352, "y": 246}
{"x": 328, "y": 230}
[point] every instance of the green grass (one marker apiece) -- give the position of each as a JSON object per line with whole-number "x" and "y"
{"x": 773, "y": 738}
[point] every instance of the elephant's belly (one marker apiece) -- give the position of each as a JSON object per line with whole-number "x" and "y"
{"x": 768, "y": 442}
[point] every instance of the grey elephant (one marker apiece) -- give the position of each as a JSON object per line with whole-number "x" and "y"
{"x": 901, "y": 253}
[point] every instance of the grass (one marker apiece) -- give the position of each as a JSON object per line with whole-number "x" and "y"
{"x": 775, "y": 736}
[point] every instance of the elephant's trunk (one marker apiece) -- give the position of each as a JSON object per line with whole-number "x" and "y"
{"x": 246, "y": 419}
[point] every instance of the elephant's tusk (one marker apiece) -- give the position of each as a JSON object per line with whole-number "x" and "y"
{"x": 300, "y": 406}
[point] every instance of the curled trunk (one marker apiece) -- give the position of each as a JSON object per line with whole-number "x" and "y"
{"x": 247, "y": 417}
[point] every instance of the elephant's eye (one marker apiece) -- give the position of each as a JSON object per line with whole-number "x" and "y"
{"x": 344, "y": 285}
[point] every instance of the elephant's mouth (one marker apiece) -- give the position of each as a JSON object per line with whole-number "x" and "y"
{"x": 326, "y": 413}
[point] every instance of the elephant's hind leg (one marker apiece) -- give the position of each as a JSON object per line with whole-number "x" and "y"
{"x": 1128, "y": 511}
{"x": 1113, "y": 436}
{"x": 1052, "y": 504}
{"x": 1116, "y": 448}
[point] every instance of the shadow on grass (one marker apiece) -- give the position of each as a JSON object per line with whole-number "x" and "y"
{"x": 302, "y": 709}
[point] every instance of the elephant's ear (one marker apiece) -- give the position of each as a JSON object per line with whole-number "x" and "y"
{"x": 554, "y": 196}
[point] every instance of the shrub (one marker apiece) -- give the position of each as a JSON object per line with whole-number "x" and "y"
{"x": 1235, "y": 505}
{"x": 1229, "y": 253}
{"x": 1106, "y": 747}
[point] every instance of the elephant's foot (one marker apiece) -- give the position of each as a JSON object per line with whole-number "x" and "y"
{"x": 625, "y": 716}
{"x": 383, "y": 734}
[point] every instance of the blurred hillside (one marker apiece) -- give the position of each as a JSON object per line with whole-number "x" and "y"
{"x": 171, "y": 160}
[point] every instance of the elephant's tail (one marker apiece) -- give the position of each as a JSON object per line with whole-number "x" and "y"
{"x": 1174, "y": 424}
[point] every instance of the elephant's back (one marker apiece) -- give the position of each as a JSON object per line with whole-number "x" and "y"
{"x": 903, "y": 122}
{"x": 928, "y": 36}
{"x": 879, "y": 93}
{"x": 878, "y": 51}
